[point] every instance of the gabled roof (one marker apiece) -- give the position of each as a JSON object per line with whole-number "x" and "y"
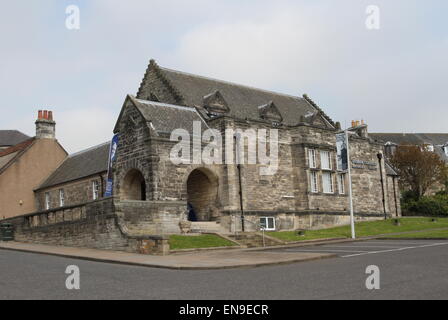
{"x": 164, "y": 118}
{"x": 11, "y": 154}
{"x": 11, "y": 137}
{"x": 243, "y": 101}
{"x": 80, "y": 165}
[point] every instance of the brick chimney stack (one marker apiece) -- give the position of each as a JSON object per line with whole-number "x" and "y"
{"x": 45, "y": 125}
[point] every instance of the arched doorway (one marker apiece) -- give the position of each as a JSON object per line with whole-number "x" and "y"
{"x": 202, "y": 191}
{"x": 133, "y": 186}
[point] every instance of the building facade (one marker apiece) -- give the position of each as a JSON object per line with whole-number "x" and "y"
{"x": 185, "y": 145}
{"x": 25, "y": 164}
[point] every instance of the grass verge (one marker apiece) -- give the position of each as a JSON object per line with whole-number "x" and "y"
{"x": 194, "y": 242}
{"x": 365, "y": 229}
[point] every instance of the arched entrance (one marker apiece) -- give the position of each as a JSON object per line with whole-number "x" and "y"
{"x": 202, "y": 190}
{"x": 133, "y": 186}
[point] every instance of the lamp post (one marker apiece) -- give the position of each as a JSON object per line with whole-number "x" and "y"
{"x": 380, "y": 158}
{"x": 350, "y": 189}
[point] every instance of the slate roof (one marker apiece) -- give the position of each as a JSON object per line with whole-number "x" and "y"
{"x": 435, "y": 139}
{"x": 11, "y": 137}
{"x": 412, "y": 138}
{"x": 11, "y": 154}
{"x": 165, "y": 118}
{"x": 243, "y": 101}
{"x": 80, "y": 165}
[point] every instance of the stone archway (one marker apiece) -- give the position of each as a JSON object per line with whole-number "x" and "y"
{"x": 202, "y": 192}
{"x": 133, "y": 186}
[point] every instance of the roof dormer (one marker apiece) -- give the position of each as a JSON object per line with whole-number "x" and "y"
{"x": 270, "y": 112}
{"x": 215, "y": 104}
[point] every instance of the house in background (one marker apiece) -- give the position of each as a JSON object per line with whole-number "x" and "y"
{"x": 434, "y": 142}
{"x": 25, "y": 163}
{"x": 9, "y": 138}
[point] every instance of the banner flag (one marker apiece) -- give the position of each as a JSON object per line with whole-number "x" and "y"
{"x": 112, "y": 156}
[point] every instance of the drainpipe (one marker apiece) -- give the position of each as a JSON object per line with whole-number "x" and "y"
{"x": 380, "y": 157}
{"x": 240, "y": 182}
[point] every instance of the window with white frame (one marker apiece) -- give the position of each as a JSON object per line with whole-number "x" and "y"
{"x": 327, "y": 182}
{"x": 312, "y": 158}
{"x": 267, "y": 223}
{"x": 325, "y": 160}
{"x": 61, "y": 197}
{"x": 313, "y": 181}
{"x": 341, "y": 183}
{"x": 95, "y": 190}
{"x": 47, "y": 201}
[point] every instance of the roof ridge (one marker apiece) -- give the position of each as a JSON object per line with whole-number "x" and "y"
{"x": 231, "y": 83}
{"x": 88, "y": 149}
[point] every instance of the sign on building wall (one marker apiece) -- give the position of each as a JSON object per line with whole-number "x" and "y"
{"x": 341, "y": 146}
{"x": 112, "y": 156}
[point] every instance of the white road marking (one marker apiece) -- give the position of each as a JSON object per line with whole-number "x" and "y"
{"x": 394, "y": 250}
{"x": 304, "y": 250}
{"x": 363, "y": 246}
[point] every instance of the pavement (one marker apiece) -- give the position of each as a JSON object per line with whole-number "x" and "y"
{"x": 409, "y": 270}
{"x": 215, "y": 259}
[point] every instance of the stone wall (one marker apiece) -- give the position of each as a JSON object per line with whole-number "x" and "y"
{"x": 90, "y": 225}
{"x": 75, "y": 192}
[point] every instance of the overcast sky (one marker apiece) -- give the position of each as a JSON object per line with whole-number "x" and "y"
{"x": 394, "y": 78}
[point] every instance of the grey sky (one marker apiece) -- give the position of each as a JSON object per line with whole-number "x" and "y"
{"x": 394, "y": 78}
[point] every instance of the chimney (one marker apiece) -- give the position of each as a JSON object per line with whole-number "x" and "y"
{"x": 45, "y": 126}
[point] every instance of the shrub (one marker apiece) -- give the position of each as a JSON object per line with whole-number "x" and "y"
{"x": 430, "y": 206}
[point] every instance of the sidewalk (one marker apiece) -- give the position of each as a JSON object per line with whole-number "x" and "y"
{"x": 224, "y": 259}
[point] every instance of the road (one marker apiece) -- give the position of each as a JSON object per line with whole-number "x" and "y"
{"x": 409, "y": 270}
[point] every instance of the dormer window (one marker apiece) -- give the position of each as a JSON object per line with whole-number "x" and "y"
{"x": 215, "y": 104}
{"x": 271, "y": 113}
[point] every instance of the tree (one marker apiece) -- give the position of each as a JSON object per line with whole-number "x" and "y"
{"x": 419, "y": 169}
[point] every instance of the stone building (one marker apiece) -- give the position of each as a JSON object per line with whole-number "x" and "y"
{"x": 153, "y": 195}
{"x": 25, "y": 163}
{"x": 307, "y": 191}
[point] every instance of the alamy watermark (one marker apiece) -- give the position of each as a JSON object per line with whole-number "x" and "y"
{"x": 373, "y": 280}
{"x": 73, "y": 281}
{"x": 73, "y": 19}
{"x": 373, "y": 21}
{"x": 262, "y": 148}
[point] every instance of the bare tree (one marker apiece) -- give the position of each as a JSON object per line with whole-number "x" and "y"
{"x": 419, "y": 169}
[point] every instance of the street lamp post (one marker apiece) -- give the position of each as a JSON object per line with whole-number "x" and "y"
{"x": 350, "y": 189}
{"x": 380, "y": 158}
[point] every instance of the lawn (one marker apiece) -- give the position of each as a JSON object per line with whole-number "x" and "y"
{"x": 438, "y": 234}
{"x": 201, "y": 241}
{"x": 364, "y": 229}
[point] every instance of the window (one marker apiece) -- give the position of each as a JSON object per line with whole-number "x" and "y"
{"x": 327, "y": 182}
{"x": 61, "y": 197}
{"x": 325, "y": 159}
{"x": 341, "y": 183}
{"x": 313, "y": 181}
{"x": 95, "y": 190}
{"x": 47, "y": 201}
{"x": 430, "y": 148}
{"x": 446, "y": 150}
{"x": 267, "y": 223}
{"x": 312, "y": 158}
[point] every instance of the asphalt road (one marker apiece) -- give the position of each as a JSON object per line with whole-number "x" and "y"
{"x": 409, "y": 270}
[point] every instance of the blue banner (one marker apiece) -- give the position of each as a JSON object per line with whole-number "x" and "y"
{"x": 112, "y": 156}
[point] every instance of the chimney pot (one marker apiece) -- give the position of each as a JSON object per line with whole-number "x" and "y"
{"x": 45, "y": 114}
{"x": 50, "y": 115}
{"x": 39, "y": 115}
